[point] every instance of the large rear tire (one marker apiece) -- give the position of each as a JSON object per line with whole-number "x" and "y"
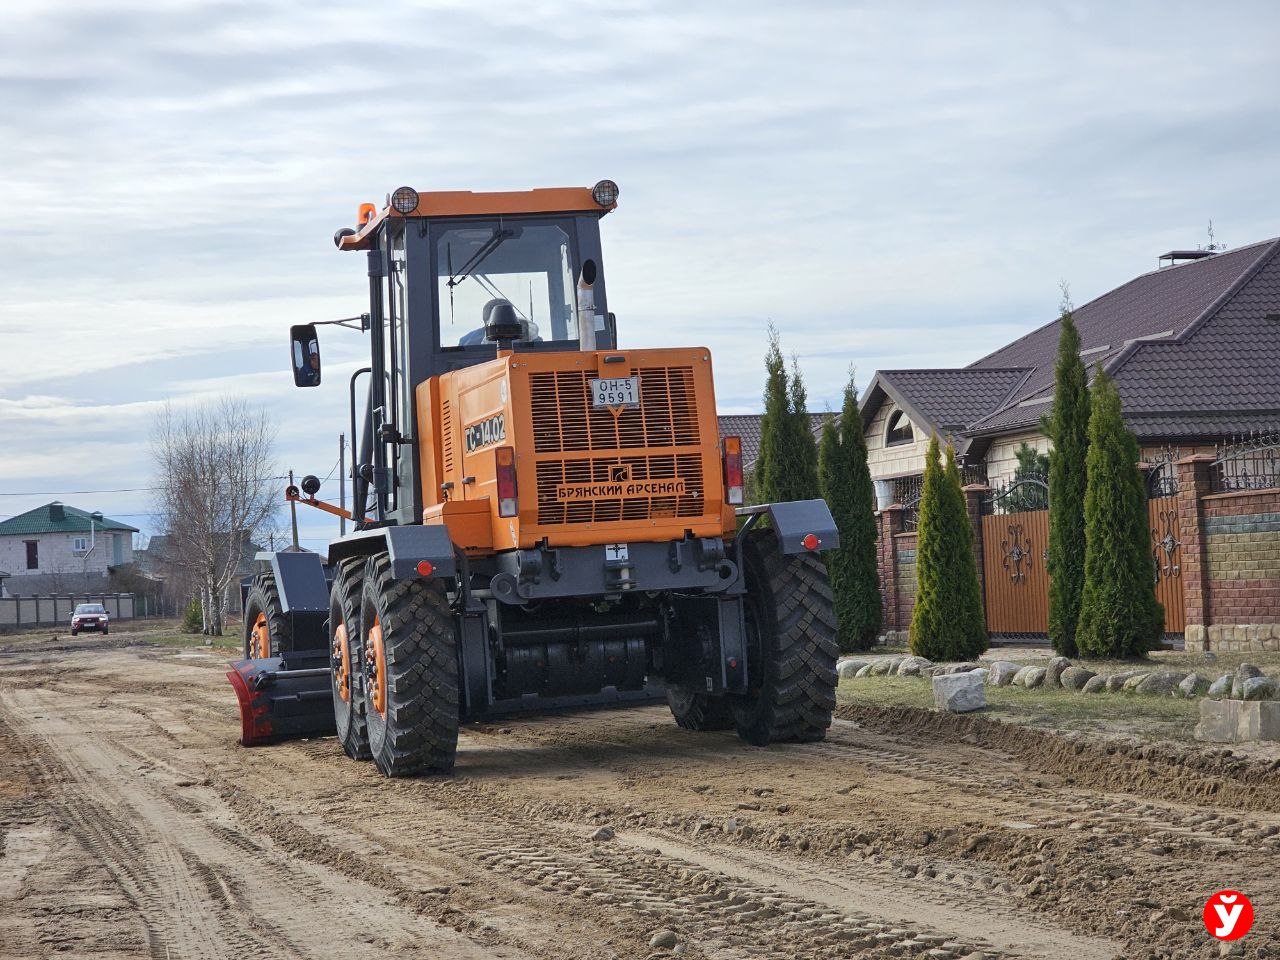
{"x": 791, "y": 638}
{"x": 266, "y": 628}
{"x": 410, "y": 660}
{"x": 345, "y": 658}
{"x": 695, "y": 710}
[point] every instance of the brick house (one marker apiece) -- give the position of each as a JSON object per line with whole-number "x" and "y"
{"x": 1193, "y": 346}
{"x": 1194, "y": 349}
{"x": 61, "y": 549}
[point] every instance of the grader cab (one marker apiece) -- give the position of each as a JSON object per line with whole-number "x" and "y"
{"x": 543, "y": 520}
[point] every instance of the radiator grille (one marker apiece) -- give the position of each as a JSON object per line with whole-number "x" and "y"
{"x": 564, "y": 421}
{"x": 683, "y": 466}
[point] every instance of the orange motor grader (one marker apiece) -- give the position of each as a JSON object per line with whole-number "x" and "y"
{"x": 543, "y": 519}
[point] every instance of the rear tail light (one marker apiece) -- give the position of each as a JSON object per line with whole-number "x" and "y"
{"x": 732, "y": 448}
{"x": 505, "y": 460}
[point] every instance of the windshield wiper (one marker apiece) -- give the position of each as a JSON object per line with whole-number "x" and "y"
{"x": 478, "y": 257}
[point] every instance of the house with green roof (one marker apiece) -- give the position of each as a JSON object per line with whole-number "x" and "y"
{"x": 58, "y": 548}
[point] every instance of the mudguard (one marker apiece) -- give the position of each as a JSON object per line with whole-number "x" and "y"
{"x": 796, "y": 521}
{"x": 301, "y": 581}
{"x": 406, "y": 545}
{"x": 282, "y": 698}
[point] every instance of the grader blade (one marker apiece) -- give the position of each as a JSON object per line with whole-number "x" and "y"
{"x": 283, "y": 698}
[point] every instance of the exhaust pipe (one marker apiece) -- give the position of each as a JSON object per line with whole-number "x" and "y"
{"x": 279, "y": 703}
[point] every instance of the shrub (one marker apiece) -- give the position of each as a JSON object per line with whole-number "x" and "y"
{"x": 193, "y": 618}
{"x": 1119, "y": 613}
{"x": 948, "y": 622}
{"x": 845, "y": 480}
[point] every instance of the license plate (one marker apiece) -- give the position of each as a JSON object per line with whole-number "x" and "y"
{"x": 615, "y": 392}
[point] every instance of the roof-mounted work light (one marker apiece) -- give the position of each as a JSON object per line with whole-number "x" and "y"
{"x": 405, "y": 200}
{"x": 605, "y": 193}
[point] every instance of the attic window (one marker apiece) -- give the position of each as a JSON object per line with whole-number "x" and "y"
{"x": 899, "y": 430}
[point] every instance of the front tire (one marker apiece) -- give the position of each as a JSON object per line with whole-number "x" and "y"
{"x": 266, "y": 628}
{"x": 345, "y": 659}
{"x": 791, "y": 634}
{"x": 410, "y": 661}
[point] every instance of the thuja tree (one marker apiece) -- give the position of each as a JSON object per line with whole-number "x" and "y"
{"x": 845, "y": 480}
{"x": 1119, "y": 613}
{"x": 787, "y": 468}
{"x": 1068, "y": 427}
{"x": 947, "y": 622}
{"x": 1032, "y": 465}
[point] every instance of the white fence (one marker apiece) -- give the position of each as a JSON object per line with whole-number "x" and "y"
{"x": 50, "y": 611}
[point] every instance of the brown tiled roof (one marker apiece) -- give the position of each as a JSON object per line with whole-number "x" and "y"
{"x": 952, "y": 399}
{"x": 1157, "y": 317}
{"x": 747, "y": 426}
{"x": 1223, "y": 372}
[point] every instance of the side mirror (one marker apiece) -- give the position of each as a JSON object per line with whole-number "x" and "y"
{"x": 305, "y": 353}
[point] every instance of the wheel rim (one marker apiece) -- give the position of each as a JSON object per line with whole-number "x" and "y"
{"x": 375, "y": 669}
{"x": 261, "y": 637}
{"x": 342, "y": 663}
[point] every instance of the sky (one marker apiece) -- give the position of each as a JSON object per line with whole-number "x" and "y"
{"x": 890, "y": 185}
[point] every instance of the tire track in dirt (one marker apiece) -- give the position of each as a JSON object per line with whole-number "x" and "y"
{"x": 546, "y": 848}
{"x": 192, "y": 888}
{"x": 875, "y": 843}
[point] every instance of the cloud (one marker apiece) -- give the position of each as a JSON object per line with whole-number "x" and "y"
{"x": 890, "y": 187}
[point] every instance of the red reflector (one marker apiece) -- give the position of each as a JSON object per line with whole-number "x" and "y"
{"x": 810, "y": 542}
{"x": 505, "y": 474}
{"x": 425, "y": 568}
{"x": 732, "y": 454}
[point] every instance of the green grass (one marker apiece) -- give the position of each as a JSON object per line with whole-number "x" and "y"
{"x": 230, "y": 643}
{"x": 1057, "y": 709}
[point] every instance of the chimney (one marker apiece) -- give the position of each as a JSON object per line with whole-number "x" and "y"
{"x": 56, "y": 513}
{"x": 1174, "y": 257}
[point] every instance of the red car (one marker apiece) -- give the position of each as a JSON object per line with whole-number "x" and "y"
{"x": 89, "y": 616}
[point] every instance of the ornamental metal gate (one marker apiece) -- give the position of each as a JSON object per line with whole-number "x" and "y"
{"x": 1015, "y": 541}
{"x": 1166, "y": 552}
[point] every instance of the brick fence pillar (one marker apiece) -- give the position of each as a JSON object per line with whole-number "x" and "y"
{"x": 890, "y": 523}
{"x": 974, "y": 494}
{"x": 1194, "y": 482}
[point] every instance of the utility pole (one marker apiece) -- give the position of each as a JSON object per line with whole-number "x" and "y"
{"x": 342, "y": 482}
{"x": 293, "y": 514}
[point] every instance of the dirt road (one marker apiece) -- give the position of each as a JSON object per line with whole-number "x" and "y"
{"x": 133, "y": 825}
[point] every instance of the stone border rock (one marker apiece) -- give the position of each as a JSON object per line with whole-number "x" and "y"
{"x": 1246, "y": 684}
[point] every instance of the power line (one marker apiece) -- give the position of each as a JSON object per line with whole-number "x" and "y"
{"x": 76, "y": 493}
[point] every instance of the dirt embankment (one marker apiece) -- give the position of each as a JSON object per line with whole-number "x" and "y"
{"x": 133, "y": 825}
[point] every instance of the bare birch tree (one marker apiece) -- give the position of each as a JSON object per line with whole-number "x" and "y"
{"x": 215, "y": 491}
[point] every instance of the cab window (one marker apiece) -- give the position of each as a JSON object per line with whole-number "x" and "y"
{"x": 526, "y": 264}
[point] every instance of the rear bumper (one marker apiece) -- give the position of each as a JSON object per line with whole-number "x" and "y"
{"x": 700, "y": 564}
